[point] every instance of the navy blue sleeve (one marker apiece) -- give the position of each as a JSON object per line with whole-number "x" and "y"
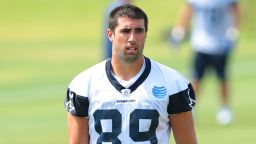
{"x": 182, "y": 101}
{"x": 76, "y": 105}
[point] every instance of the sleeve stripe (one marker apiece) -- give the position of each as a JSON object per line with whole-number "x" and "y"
{"x": 182, "y": 101}
{"x": 76, "y": 105}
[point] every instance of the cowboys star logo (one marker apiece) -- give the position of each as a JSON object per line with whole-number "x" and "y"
{"x": 192, "y": 101}
{"x": 69, "y": 104}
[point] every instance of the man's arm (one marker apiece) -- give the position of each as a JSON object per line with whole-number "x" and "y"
{"x": 232, "y": 32}
{"x": 183, "y": 128}
{"x": 184, "y": 16}
{"x": 77, "y": 130}
{"x": 181, "y": 26}
{"x": 235, "y": 10}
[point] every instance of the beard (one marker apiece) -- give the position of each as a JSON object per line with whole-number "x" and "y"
{"x": 130, "y": 53}
{"x": 131, "y": 57}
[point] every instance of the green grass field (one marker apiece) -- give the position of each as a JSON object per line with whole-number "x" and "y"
{"x": 44, "y": 44}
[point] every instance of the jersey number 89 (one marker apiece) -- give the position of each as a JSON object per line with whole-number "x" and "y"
{"x": 134, "y": 133}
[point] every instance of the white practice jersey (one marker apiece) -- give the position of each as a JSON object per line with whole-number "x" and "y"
{"x": 211, "y": 18}
{"x": 134, "y": 115}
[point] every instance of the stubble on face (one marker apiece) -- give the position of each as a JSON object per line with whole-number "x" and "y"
{"x": 129, "y": 57}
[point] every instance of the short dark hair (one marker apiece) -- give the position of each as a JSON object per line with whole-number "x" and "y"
{"x": 127, "y": 10}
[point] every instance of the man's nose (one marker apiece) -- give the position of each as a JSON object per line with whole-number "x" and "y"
{"x": 132, "y": 37}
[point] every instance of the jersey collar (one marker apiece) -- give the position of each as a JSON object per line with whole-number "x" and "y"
{"x": 136, "y": 84}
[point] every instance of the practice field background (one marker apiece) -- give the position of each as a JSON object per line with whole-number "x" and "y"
{"x": 45, "y": 43}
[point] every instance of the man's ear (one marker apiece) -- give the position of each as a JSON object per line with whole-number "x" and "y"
{"x": 110, "y": 34}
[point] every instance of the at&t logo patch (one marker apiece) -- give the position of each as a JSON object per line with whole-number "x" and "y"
{"x": 159, "y": 92}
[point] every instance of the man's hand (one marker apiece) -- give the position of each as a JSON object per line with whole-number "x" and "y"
{"x": 176, "y": 36}
{"x": 231, "y": 37}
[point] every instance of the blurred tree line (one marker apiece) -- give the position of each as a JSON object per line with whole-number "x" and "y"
{"x": 248, "y": 18}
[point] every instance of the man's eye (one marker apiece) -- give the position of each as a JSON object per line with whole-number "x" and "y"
{"x": 126, "y": 31}
{"x": 139, "y": 30}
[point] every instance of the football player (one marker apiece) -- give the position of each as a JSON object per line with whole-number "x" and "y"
{"x": 129, "y": 98}
{"x": 214, "y": 33}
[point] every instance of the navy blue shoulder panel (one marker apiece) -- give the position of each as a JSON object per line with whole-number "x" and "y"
{"x": 76, "y": 105}
{"x": 182, "y": 101}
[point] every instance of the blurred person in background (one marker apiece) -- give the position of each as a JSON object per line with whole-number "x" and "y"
{"x": 106, "y": 43}
{"x": 214, "y": 33}
{"x": 129, "y": 98}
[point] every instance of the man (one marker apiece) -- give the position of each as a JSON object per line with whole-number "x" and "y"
{"x": 214, "y": 33}
{"x": 129, "y": 98}
{"x": 107, "y": 44}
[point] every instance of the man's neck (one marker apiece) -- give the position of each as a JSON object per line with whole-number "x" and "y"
{"x": 126, "y": 71}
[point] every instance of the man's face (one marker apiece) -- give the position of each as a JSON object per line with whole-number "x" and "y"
{"x": 128, "y": 39}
